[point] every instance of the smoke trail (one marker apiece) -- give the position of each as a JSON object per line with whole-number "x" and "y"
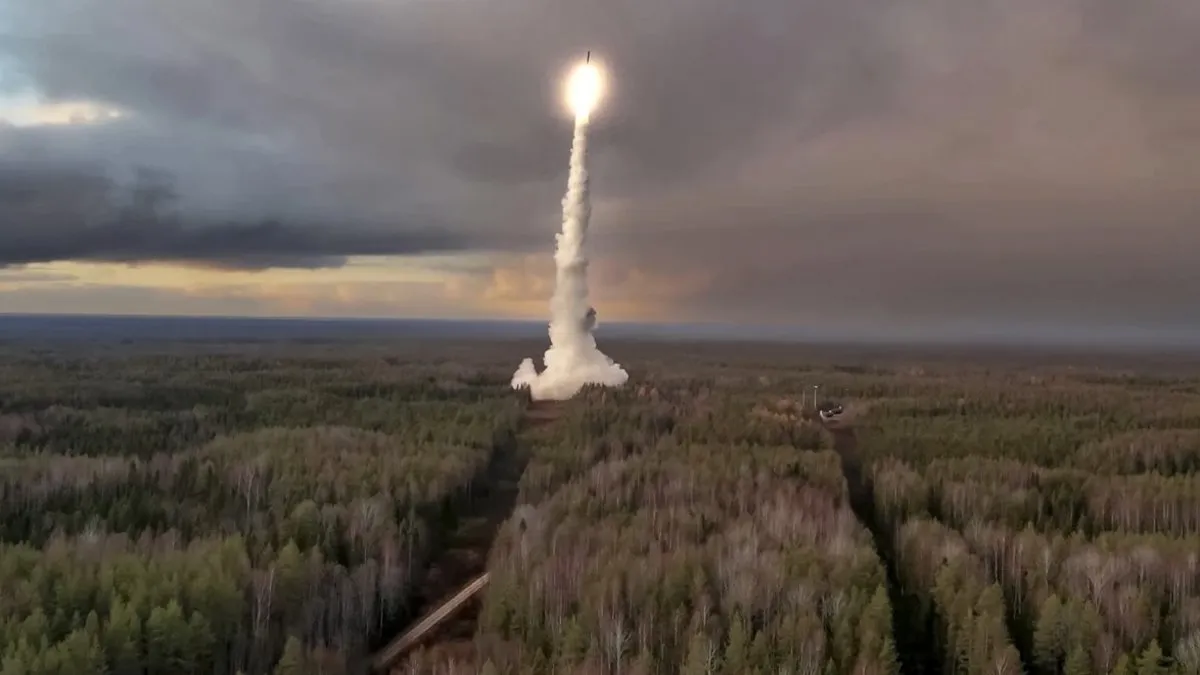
{"x": 573, "y": 359}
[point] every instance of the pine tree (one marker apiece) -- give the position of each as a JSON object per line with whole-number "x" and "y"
{"x": 92, "y": 625}
{"x": 1047, "y": 643}
{"x": 879, "y": 611}
{"x": 80, "y": 653}
{"x": 290, "y": 579}
{"x": 19, "y": 660}
{"x": 873, "y": 628}
{"x": 292, "y": 662}
{"x": 845, "y": 632}
{"x": 1123, "y": 666}
{"x": 761, "y": 657}
{"x": 1151, "y": 661}
{"x": 888, "y": 659}
{"x": 121, "y": 640}
{"x": 737, "y": 646}
{"x": 35, "y": 627}
{"x": 573, "y": 644}
{"x": 697, "y": 661}
{"x": 200, "y": 644}
{"x": 1077, "y": 662}
{"x": 167, "y": 638}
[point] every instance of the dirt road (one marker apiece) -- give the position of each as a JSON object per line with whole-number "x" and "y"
{"x": 463, "y": 558}
{"x": 914, "y": 642}
{"x": 462, "y": 561}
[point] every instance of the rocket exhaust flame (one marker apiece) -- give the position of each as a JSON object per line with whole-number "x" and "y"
{"x": 585, "y": 87}
{"x": 573, "y": 360}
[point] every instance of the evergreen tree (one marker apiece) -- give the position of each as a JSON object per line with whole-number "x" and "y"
{"x": 573, "y": 643}
{"x": 761, "y": 657}
{"x": 1077, "y": 662}
{"x": 737, "y": 646}
{"x": 20, "y": 659}
{"x": 1151, "y": 661}
{"x": 888, "y": 659}
{"x": 121, "y": 640}
{"x": 698, "y": 660}
{"x": 167, "y": 641}
{"x": 80, "y": 654}
{"x": 1047, "y": 636}
{"x": 293, "y": 661}
{"x": 1123, "y": 666}
{"x": 200, "y": 644}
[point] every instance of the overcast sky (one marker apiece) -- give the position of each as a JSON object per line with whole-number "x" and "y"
{"x": 871, "y": 164}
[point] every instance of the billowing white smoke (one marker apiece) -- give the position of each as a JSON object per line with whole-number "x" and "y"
{"x": 573, "y": 359}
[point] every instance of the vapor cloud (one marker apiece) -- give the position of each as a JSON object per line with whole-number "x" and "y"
{"x": 573, "y": 360}
{"x": 867, "y": 162}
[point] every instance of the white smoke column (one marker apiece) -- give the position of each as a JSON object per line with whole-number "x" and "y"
{"x": 573, "y": 359}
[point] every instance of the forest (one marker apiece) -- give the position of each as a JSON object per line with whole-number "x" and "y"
{"x": 290, "y": 507}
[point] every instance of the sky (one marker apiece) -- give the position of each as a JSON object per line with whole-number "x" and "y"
{"x": 866, "y": 165}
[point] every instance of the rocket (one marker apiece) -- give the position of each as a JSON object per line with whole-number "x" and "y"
{"x": 589, "y": 57}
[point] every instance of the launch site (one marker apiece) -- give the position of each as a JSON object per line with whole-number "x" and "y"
{"x": 514, "y": 338}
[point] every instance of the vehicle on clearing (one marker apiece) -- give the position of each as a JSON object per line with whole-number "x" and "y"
{"x": 829, "y": 410}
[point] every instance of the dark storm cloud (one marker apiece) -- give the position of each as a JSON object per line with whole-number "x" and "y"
{"x": 909, "y": 158}
{"x": 76, "y": 214}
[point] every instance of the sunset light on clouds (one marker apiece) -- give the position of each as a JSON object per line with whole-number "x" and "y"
{"x": 29, "y": 112}
{"x": 998, "y": 162}
{"x": 494, "y": 287}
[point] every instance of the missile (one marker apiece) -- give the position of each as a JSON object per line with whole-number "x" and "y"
{"x": 589, "y": 57}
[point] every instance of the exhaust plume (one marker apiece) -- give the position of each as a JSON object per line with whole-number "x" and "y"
{"x": 573, "y": 360}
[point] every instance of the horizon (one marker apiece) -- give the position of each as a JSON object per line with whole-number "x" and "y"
{"x": 39, "y": 325}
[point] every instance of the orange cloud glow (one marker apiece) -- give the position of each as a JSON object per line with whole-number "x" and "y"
{"x": 23, "y": 112}
{"x": 517, "y": 287}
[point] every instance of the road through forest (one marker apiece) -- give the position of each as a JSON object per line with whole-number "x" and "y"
{"x": 460, "y": 565}
{"x": 914, "y": 642}
{"x": 456, "y": 576}
{"x": 463, "y": 557}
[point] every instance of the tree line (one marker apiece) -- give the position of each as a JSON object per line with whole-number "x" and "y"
{"x": 1073, "y": 504}
{"x": 226, "y": 515}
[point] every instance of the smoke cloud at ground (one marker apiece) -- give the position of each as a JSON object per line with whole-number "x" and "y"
{"x": 573, "y": 360}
